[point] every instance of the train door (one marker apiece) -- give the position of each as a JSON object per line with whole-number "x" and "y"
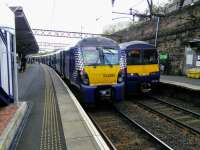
{"x": 3, "y": 64}
{"x": 6, "y": 65}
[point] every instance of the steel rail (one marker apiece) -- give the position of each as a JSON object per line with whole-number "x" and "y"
{"x": 156, "y": 139}
{"x": 169, "y": 118}
{"x": 176, "y": 106}
{"x": 107, "y": 140}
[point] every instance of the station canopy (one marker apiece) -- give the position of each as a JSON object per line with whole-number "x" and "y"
{"x": 25, "y": 40}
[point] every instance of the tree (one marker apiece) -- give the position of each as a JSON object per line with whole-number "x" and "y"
{"x": 181, "y": 2}
{"x": 112, "y": 1}
{"x": 112, "y": 28}
{"x": 178, "y": 2}
{"x": 150, "y": 5}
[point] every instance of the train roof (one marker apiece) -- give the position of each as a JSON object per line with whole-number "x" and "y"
{"x": 43, "y": 55}
{"x": 72, "y": 47}
{"x": 97, "y": 41}
{"x": 131, "y": 44}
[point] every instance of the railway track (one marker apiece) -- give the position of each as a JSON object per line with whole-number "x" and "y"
{"x": 123, "y": 133}
{"x": 181, "y": 116}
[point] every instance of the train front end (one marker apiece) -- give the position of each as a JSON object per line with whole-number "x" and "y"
{"x": 142, "y": 73}
{"x": 102, "y": 76}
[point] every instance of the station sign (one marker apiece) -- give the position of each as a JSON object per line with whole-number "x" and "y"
{"x": 163, "y": 56}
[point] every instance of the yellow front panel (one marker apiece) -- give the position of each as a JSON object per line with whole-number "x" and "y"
{"x": 102, "y": 75}
{"x": 142, "y": 70}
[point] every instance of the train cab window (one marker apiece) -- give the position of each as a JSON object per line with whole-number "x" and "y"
{"x": 134, "y": 57}
{"x": 150, "y": 56}
{"x": 91, "y": 56}
{"x": 111, "y": 56}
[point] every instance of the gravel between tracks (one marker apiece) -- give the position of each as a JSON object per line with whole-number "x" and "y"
{"x": 174, "y": 136}
{"x": 122, "y": 134}
{"x": 181, "y": 103}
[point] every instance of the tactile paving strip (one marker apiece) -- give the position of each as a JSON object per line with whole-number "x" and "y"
{"x": 52, "y": 137}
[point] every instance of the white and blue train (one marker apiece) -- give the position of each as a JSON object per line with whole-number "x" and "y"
{"x": 7, "y": 55}
{"x": 94, "y": 66}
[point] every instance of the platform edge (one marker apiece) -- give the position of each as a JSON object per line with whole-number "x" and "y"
{"x": 179, "y": 84}
{"x": 98, "y": 138}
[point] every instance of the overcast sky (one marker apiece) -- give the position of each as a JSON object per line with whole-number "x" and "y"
{"x": 75, "y": 15}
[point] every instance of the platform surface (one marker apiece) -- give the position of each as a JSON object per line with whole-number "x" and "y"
{"x": 11, "y": 118}
{"x": 57, "y": 121}
{"x": 183, "y": 81}
{"x": 6, "y": 113}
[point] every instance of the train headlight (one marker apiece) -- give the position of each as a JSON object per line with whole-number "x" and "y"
{"x": 84, "y": 77}
{"x": 155, "y": 81}
{"x": 121, "y": 76}
{"x": 133, "y": 74}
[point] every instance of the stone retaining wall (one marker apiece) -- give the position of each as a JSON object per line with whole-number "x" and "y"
{"x": 175, "y": 30}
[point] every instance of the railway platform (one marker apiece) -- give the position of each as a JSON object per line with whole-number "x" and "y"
{"x": 56, "y": 120}
{"x": 181, "y": 81}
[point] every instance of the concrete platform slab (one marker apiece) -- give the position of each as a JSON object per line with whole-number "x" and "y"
{"x": 75, "y": 129}
{"x": 85, "y": 143}
{"x": 182, "y": 81}
{"x": 57, "y": 120}
{"x": 68, "y": 108}
{"x": 72, "y": 116}
{"x": 43, "y": 130}
{"x": 79, "y": 131}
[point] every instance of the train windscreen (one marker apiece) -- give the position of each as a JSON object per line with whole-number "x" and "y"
{"x": 91, "y": 56}
{"x": 134, "y": 57}
{"x": 145, "y": 56}
{"x": 110, "y": 56}
{"x": 100, "y": 56}
{"x": 150, "y": 56}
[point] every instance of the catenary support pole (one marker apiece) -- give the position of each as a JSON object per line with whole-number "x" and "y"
{"x": 157, "y": 29}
